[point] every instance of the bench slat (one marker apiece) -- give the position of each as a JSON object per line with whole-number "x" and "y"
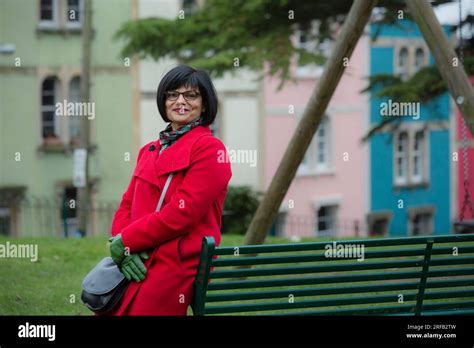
{"x": 448, "y": 305}
{"x": 248, "y": 261}
{"x": 406, "y": 309}
{"x": 253, "y": 249}
{"x": 305, "y": 304}
{"x": 334, "y": 290}
{"x": 453, "y": 311}
{"x": 339, "y": 302}
{"x": 240, "y": 284}
{"x": 315, "y": 269}
{"x": 228, "y": 285}
{"x": 387, "y": 310}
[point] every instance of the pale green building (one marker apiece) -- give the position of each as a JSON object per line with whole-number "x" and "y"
{"x": 40, "y": 66}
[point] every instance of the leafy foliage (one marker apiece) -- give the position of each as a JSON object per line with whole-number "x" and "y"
{"x": 240, "y": 204}
{"x": 257, "y": 32}
{"x": 422, "y": 87}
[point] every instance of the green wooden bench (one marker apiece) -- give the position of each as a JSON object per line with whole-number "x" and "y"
{"x": 432, "y": 275}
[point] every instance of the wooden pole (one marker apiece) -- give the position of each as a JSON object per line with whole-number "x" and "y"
{"x": 268, "y": 209}
{"x": 449, "y": 65}
{"x": 83, "y": 194}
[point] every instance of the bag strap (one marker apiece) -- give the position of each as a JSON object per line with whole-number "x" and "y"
{"x": 163, "y": 193}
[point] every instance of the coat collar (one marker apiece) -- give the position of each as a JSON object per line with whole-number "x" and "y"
{"x": 176, "y": 157}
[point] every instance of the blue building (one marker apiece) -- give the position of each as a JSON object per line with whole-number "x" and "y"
{"x": 410, "y": 159}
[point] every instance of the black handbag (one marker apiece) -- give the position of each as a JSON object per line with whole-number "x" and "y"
{"x": 104, "y": 286}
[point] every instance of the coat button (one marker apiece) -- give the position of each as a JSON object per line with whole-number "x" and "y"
{"x": 152, "y": 148}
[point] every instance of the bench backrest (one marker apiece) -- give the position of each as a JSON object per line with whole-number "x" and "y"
{"x": 391, "y": 276}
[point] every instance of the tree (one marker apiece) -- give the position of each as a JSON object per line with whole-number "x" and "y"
{"x": 222, "y": 33}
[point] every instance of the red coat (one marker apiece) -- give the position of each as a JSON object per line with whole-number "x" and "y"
{"x": 192, "y": 209}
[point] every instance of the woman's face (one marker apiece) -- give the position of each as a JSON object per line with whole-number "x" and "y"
{"x": 183, "y": 108}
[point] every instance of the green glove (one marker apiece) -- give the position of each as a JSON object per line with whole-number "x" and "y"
{"x": 117, "y": 249}
{"x": 132, "y": 266}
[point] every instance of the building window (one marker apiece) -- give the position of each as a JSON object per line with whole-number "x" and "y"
{"x": 190, "y": 7}
{"x": 322, "y": 141}
{"x": 318, "y": 156}
{"x": 61, "y": 15}
{"x": 417, "y": 157}
{"x": 421, "y": 224}
{"x": 420, "y": 220}
{"x": 378, "y": 223}
{"x": 50, "y": 123}
{"x": 326, "y": 220}
{"x": 11, "y": 198}
{"x": 305, "y": 41}
{"x": 409, "y": 60}
{"x": 5, "y": 221}
{"x": 74, "y": 121}
{"x": 74, "y": 13}
{"x": 48, "y": 12}
{"x": 403, "y": 63}
{"x": 419, "y": 59}
{"x": 401, "y": 158}
{"x": 379, "y": 227}
{"x": 410, "y": 157}
{"x": 69, "y": 212}
{"x": 278, "y": 227}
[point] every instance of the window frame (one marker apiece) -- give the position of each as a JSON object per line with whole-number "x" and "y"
{"x": 308, "y": 71}
{"x": 416, "y": 67}
{"x": 49, "y": 108}
{"x": 74, "y": 24}
{"x": 404, "y": 154}
{"x": 333, "y": 208}
{"x": 190, "y": 10}
{"x": 54, "y": 23}
{"x": 412, "y": 128}
{"x": 412, "y": 47}
{"x": 379, "y": 215}
{"x": 420, "y": 152}
{"x": 421, "y": 210}
{"x": 70, "y": 122}
{"x": 324, "y": 166}
{"x": 309, "y": 165}
{"x": 403, "y": 71}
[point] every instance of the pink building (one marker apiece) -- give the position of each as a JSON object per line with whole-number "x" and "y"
{"x": 470, "y": 165}
{"x": 329, "y": 195}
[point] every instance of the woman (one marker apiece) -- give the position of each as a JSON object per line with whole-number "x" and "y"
{"x": 159, "y": 251}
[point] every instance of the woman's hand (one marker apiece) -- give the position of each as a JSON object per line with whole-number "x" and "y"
{"x": 132, "y": 266}
{"x": 117, "y": 249}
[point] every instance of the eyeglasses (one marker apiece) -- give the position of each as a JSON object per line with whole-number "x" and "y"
{"x": 188, "y": 95}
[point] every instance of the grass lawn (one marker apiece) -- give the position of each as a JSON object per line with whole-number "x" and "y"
{"x": 52, "y": 285}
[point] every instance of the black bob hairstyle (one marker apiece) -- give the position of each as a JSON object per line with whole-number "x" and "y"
{"x": 187, "y": 76}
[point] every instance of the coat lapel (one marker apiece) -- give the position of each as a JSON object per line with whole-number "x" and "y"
{"x": 178, "y": 156}
{"x": 175, "y": 158}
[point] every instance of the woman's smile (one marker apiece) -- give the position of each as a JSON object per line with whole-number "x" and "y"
{"x": 181, "y": 110}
